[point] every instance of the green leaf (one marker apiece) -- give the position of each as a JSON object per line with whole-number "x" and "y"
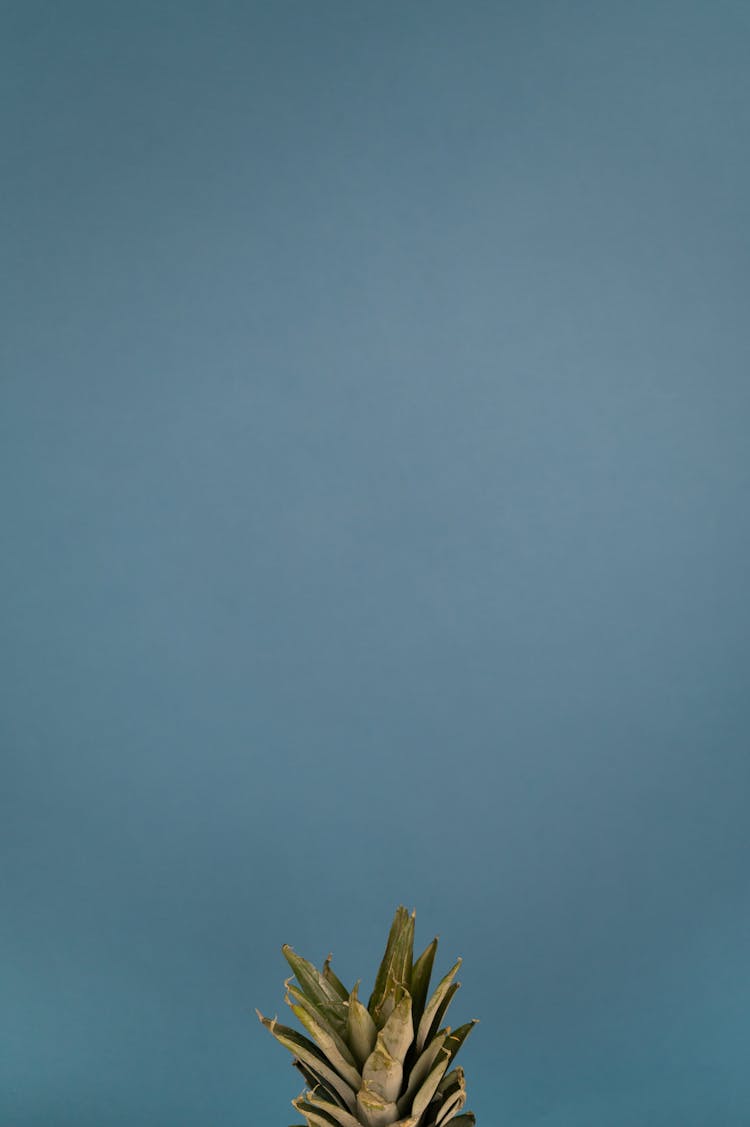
{"x": 437, "y": 1020}
{"x": 310, "y": 1055}
{"x": 394, "y": 973}
{"x": 316, "y": 989}
{"x": 332, "y": 1046}
{"x": 434, "y": 1003}
{"x": 452, "y": 1095}
{"x": 361, "y": 1031}
{"x": 421, "y": 1069}
{"x": 452, "y": 1104}
{"x": 332, "y": 978}
{"x": 373, "y": 1110}
{"x": 314, "y": 1117}
{"x": 429, "y": 1087}
{"x": 338, "y": 1114}
{"x": 317, "y": 1016}
{"x": 456, "y": 1039}
{"x": 382, "y": 1073}
{"x": 314, "y": 1013}
{"x": 314, "y": 1080}
{"x": 452, "y": 1081}
{"x": 398, "y": 1032}
{"x": 420, "y": 980}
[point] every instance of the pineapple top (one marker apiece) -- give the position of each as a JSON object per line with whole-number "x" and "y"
{"x": 387, "y": 1064}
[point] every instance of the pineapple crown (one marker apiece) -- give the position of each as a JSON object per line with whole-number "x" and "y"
{"x": 387, "y": 1064}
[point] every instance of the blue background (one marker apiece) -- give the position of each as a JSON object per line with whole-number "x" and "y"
{"x": 374, "y": 468}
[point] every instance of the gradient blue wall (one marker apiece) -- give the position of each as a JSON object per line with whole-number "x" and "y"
{"x": 374, "y": 467}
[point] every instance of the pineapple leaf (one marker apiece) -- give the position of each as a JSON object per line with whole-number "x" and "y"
{"x": 421, "y": 1069}
{"x": 315, "y": 1081}
{"x": 361, "y": 1030}
{"x": 310, "y": 1055}
{"x": 430, "y": 1085}
{"x": 452, "y": 1083}
{"x": 456, "y": 1039}
{"x": 317, "y": 1016}
{"x": 332, "y": 978}
{"x": 398, "y": 1032}
{"x": 383, "y": 1074}
{"x": 316, "y": 988}
{"x": 452, "y": 1104}
{"x": 434, "y": 1003}
{"x": 374, "y": 1111}
{"x": 394, "y": 973}
{"x": 314, "y": 1116}
{"x": 338, "y": 1114}
{"x": 442, "y": 1009}
{"x": 420, "y": 980}
{"x": 332, "y": 1046}
{"x": 451, "y": 1080}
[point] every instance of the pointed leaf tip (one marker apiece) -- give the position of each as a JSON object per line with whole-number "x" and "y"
{"x": 437, "y": 1005}
{"x": 317, "y": 988}
{"x": 394, "y": 973}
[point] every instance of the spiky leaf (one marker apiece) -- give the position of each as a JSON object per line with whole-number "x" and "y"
{"x": 398, "y": 1032}
{"x": 316, "y": 1109}
{"x": 457, "y": 1037}
{"x": 316, "y": 988}
{"x": 361, "y": 1030}
{"x": 332, "y": 978}
{"x": 311, "y": 1056}
{"x": 373, "y": 1110}
{"x": 334, "y": 1049}
{"x": 420, "y": 980}
{"x": 429, "y": 1087}
{"x": 434, "y": 1004}
{"x": 440, "y": 1013}
{"x": 421, "y": 1070}
{"x": 450, "y": 1106}
{"x": 314, "y": 1116}
{"x": 382, "y": 1073}
{"x": 451, "y": 1094}
{"x": 338, "y": 1114}
{"x": 394, "y": 973}
{"x": 315, "y": 1081}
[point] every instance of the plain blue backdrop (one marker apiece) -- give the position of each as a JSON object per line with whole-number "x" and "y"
{"x": 374, "y": 442}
